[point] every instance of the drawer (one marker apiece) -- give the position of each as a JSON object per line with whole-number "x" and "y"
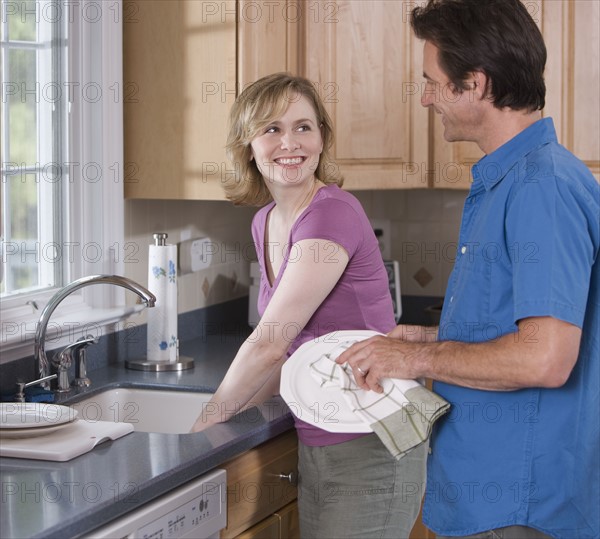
{"x": 255, "y": 489}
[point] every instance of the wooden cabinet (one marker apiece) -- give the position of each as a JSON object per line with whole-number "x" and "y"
{"x": 259, "y": 488}
{"x": 261, "y": 499}
{"x": 185, "y": 62}
{"x": 268, "y": 39}
{"x": 420, "y": 531}
{"x": 283, "y": 524}
{"x": 364, "y": 59}
{"x": 572, "y": 35}
{"x": 180, "y": 69}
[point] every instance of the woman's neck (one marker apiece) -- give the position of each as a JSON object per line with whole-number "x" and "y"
{"x": 291, "y": 201}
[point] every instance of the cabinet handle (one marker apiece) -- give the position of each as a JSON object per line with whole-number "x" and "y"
{"x": 292, "y": 477}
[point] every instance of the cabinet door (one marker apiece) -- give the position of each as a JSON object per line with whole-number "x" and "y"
{"x": 420, "y": 531}
{"x": 255, "y": 486}
{"x": 362, "y": 56}
{"x": 572, "y": 35}
{"x": 289, "y": 521}
{"x": 269, "y": 528}
{"x": 267, "y": 38}
{"x": 180, "y": 69}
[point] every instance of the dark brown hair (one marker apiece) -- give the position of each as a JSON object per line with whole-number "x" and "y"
{"x": 496, "y": 37}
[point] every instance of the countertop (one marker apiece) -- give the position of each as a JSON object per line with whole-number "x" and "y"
{"x": 42, "y": 499}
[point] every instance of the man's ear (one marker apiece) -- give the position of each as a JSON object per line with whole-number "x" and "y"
{"x": 477, "y": 83}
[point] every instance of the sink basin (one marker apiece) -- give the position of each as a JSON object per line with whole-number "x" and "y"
{"x": 148, "y": 410}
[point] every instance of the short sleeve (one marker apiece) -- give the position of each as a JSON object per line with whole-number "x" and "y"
{"x": 551, "y": 251}
{"x": 333, "y": 220}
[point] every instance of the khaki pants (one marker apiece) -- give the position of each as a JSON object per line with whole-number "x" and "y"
{"x": 358, "y": 490}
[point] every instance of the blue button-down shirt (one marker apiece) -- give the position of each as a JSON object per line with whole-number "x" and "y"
{"x": 528, "y": 247}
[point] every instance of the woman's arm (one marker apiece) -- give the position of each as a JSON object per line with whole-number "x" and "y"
{"x": 307, "y": 281}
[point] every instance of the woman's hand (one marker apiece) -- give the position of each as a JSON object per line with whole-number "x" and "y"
{"x": 204, "y": 421}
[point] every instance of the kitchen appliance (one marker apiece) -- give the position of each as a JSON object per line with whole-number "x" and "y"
{"x": 392, "y": 267}
{"x": 393, "y": 270}
{"x": 195, "y": 510}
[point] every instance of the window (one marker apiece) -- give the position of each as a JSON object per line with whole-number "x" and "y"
{"x": 62, "y": 162}
{"x": 33, "y": 127}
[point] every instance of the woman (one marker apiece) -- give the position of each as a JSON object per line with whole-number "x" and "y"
{"x": 321, "y": 271}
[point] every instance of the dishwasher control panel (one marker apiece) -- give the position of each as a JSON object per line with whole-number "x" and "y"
{"x": 197, "y": 509}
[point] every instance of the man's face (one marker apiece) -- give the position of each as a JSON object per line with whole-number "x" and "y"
{"x": 458, "y": 108}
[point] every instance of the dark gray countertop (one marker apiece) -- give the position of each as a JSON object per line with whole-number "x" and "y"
{"x": 42, "y": 499}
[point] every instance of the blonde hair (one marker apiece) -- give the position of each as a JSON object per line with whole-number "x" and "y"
{"x": 257, "y": 106}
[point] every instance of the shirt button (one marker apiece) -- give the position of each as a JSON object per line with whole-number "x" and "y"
{"x": 463, "y": 249}
{"x": 451, "y": 299}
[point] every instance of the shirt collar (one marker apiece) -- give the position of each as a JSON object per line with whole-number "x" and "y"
{"x": 491, "y": 168}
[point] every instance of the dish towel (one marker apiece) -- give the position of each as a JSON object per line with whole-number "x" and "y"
{"x": 402, "y": 416}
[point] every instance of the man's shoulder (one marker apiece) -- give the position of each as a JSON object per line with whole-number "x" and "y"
{"x": 553, "y": 163}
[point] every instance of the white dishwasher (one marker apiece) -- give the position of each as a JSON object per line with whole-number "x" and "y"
{"x": 196, "y": 510}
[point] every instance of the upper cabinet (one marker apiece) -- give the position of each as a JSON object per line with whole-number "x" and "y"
{"x": 185, "y": 61}
{"x": 571, "y": 31}
{"x": 180, "y": 69}
{"x": 367, "y": 65}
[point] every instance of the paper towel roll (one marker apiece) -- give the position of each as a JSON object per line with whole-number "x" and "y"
{"x": 162, "y": 318}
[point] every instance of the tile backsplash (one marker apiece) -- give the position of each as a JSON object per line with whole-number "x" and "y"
{"x": 423, "y": 226}
{"x": 228, "y": 227}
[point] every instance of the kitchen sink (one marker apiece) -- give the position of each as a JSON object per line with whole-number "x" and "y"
{"x": 148, "y": 410}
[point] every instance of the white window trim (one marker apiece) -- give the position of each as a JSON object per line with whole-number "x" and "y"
{"x": 96, "y": 208}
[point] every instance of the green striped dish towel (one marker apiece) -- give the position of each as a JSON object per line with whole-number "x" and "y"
{"x": 402, "y": 416}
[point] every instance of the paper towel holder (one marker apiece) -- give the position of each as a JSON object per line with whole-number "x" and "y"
{"x": 181, "y": 363}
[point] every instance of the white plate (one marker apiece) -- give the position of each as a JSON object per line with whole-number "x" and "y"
{"x": 31, "y": 415}
{"x": 322, "y": 407}
{"x": 31, "y": 433}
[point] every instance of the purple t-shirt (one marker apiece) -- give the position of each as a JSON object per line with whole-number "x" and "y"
{"x": 361, "y": 298}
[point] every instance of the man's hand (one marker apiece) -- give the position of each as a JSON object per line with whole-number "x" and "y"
{"x": 380, "y": 357}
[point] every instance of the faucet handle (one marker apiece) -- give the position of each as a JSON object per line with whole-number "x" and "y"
{"x": 63, "y": 360}
{"x": 81, "y": 379}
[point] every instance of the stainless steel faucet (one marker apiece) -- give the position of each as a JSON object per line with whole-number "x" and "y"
{"x": 42, "y": 364}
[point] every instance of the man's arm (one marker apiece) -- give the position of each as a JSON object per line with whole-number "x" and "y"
{"x": 541, "y": 353}
{"x": 414, "y": 333}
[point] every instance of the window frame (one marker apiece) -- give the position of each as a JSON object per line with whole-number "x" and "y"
{"x": 94, "y": 208}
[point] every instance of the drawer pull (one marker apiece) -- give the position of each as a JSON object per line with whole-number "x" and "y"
{"x": 292, "y": 477}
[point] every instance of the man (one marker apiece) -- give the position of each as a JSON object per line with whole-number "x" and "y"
{"x": 517, "y": 351}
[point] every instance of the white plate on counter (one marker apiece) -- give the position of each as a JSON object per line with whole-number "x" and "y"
{"x": 32, "y": 433}
{"x": 322, "y": 407}
{"x": 34, "y": 415}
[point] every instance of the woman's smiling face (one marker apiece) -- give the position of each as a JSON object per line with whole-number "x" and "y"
{"x": 288, "y": 149}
